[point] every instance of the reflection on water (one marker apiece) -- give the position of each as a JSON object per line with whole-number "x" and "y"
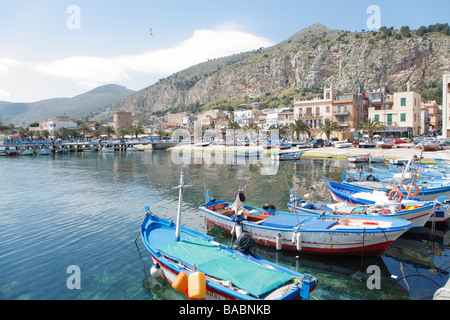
{"x": 86, "y": 209}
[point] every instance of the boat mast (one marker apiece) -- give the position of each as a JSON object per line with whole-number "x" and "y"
{"x": 180, "y": 201}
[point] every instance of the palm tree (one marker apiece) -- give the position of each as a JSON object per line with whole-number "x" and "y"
{"x": 253, "y": 126}
{"x": 233, "y": 125}
{"x": 45, "y": 134}
{"x": 137, "y": 130}
{"x": 300, "y": 127}
{"x": 84, "y": 128}
{"x": 328, "y": 127}
{"x": 108, "y": 130}
{"x": 371, "y": 125}
{"x": 123, "y": 132}
{"x": 160, "y": 133}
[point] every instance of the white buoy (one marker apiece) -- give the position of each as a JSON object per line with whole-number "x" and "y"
{"x": 299, "y": 241}
{"x": 238, "y": 230}
{"x": 155, "y": 271}
{"x": 278, "y": 242}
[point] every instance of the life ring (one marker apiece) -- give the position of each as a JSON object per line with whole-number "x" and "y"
{"x": 409, "y": 187}
{"x": 396, "y": 192}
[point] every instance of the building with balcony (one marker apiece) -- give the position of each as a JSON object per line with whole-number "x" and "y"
{"x": 446, "y": 106}
{"x": 316, "y": 111}
{"x": 349, "y": 111}
{"x": 433, "y": 120}
{"x": 54, "y": 124}
{"x": 400, "y": 113}
{"x": 245, "y": 117}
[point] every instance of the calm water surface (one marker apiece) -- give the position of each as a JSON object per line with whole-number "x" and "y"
{"x": 86, "y": 210}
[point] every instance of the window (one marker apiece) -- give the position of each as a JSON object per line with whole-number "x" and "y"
{"x": 403, "y": 117}
{"x": 389, "y": 119}
{"x": 328, "y": 109}
{"x": 317, "y": 111}
{"x": 341, "y": 119}
{"x": 403, "y": 102}
{"x": 342, "y": 109}
{"x": 377, "y": 117}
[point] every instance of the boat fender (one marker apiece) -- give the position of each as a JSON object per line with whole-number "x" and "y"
{"x": 155, "y": 271}
{"x": 396, "y": 192}
{"x": 181, "y": 282}
{"x": 299, "y": 241}
{"x": 278, "y": 242}
{"x": 269, "y": 206}
{"x": 238, "y": 230}
{"x": 409, "y": 188}
{"x": 196, "y": 285}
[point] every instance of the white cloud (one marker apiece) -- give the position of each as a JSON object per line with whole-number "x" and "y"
{"x": 203, "y": 45}
{"x": 7, "y": 63}
{"x": 4, "y": 94}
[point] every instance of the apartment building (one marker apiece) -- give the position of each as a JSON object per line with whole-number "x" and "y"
{"x": 446, "y": 106}
{"x": 245, "y": 117}
{"x": 349, "y": 111}
{"x": 317, "y": 110}
{"x": 400, "y": 113}
{"x": 433, "y": 119}
{"x": 54, "y": 124}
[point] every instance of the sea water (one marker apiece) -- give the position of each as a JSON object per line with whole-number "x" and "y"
{"x": 82, "y": 212}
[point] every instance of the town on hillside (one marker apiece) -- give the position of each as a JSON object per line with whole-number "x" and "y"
{"x": 343, "y": 116}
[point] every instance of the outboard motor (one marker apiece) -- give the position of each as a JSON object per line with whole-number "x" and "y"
{"x": 244, "y": 243}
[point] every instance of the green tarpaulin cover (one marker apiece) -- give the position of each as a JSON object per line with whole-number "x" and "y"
{"x": 212, "y": 260}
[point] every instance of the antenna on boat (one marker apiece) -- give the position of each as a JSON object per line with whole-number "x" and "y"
{"x": 180, "y": 188}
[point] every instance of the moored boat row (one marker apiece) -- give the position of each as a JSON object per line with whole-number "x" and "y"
{"x": 362, "y": 222}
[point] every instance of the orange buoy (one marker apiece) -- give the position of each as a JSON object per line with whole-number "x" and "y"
{"x": 181, "y": 282}
{"x": 409, "y": 188}
{"x": 396, "y": 192}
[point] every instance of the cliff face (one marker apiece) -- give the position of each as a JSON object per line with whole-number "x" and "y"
{"x": 311, "y": 58}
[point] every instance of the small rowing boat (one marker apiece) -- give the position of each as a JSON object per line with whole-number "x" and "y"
{"x": 198, "y": 266}
{"x": 326, "y": 234}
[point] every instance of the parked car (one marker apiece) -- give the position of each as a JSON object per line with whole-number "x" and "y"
{"x": 397, "y": 140}
{"x": 316, "y": 143}
{"x": 330, "y": 142}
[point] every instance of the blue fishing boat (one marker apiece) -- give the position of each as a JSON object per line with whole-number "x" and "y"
{"x": 291, "y": 156}
{"x": 417, "y": 212}
{"x": 358, "y": 195}
{"x": 308, "y": 233}
{"x": 200, "y": 267}
{"x": 248, "y": 153}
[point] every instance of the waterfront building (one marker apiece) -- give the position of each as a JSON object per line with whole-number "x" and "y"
{"x": 245, "y": 117}
{"x": 400, "y": 113}
{"x": 317, "y": 110}
{"x": 54, "y": 124}
{"x": 446, "y": 106}
{"x": 434, "y": 117}
{"x": 349, "y": 111}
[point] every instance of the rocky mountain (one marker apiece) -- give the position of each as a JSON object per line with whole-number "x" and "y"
{"x": 310, "y": 58}
{"x": 78, "y": 107}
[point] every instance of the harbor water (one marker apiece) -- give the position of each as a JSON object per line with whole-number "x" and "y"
{"x": 85, "y": 210}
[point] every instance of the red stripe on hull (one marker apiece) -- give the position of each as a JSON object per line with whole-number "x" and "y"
{"x": 375, "y": 250}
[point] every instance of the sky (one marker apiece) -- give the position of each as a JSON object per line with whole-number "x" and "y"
{"x": 58, "y": 48}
